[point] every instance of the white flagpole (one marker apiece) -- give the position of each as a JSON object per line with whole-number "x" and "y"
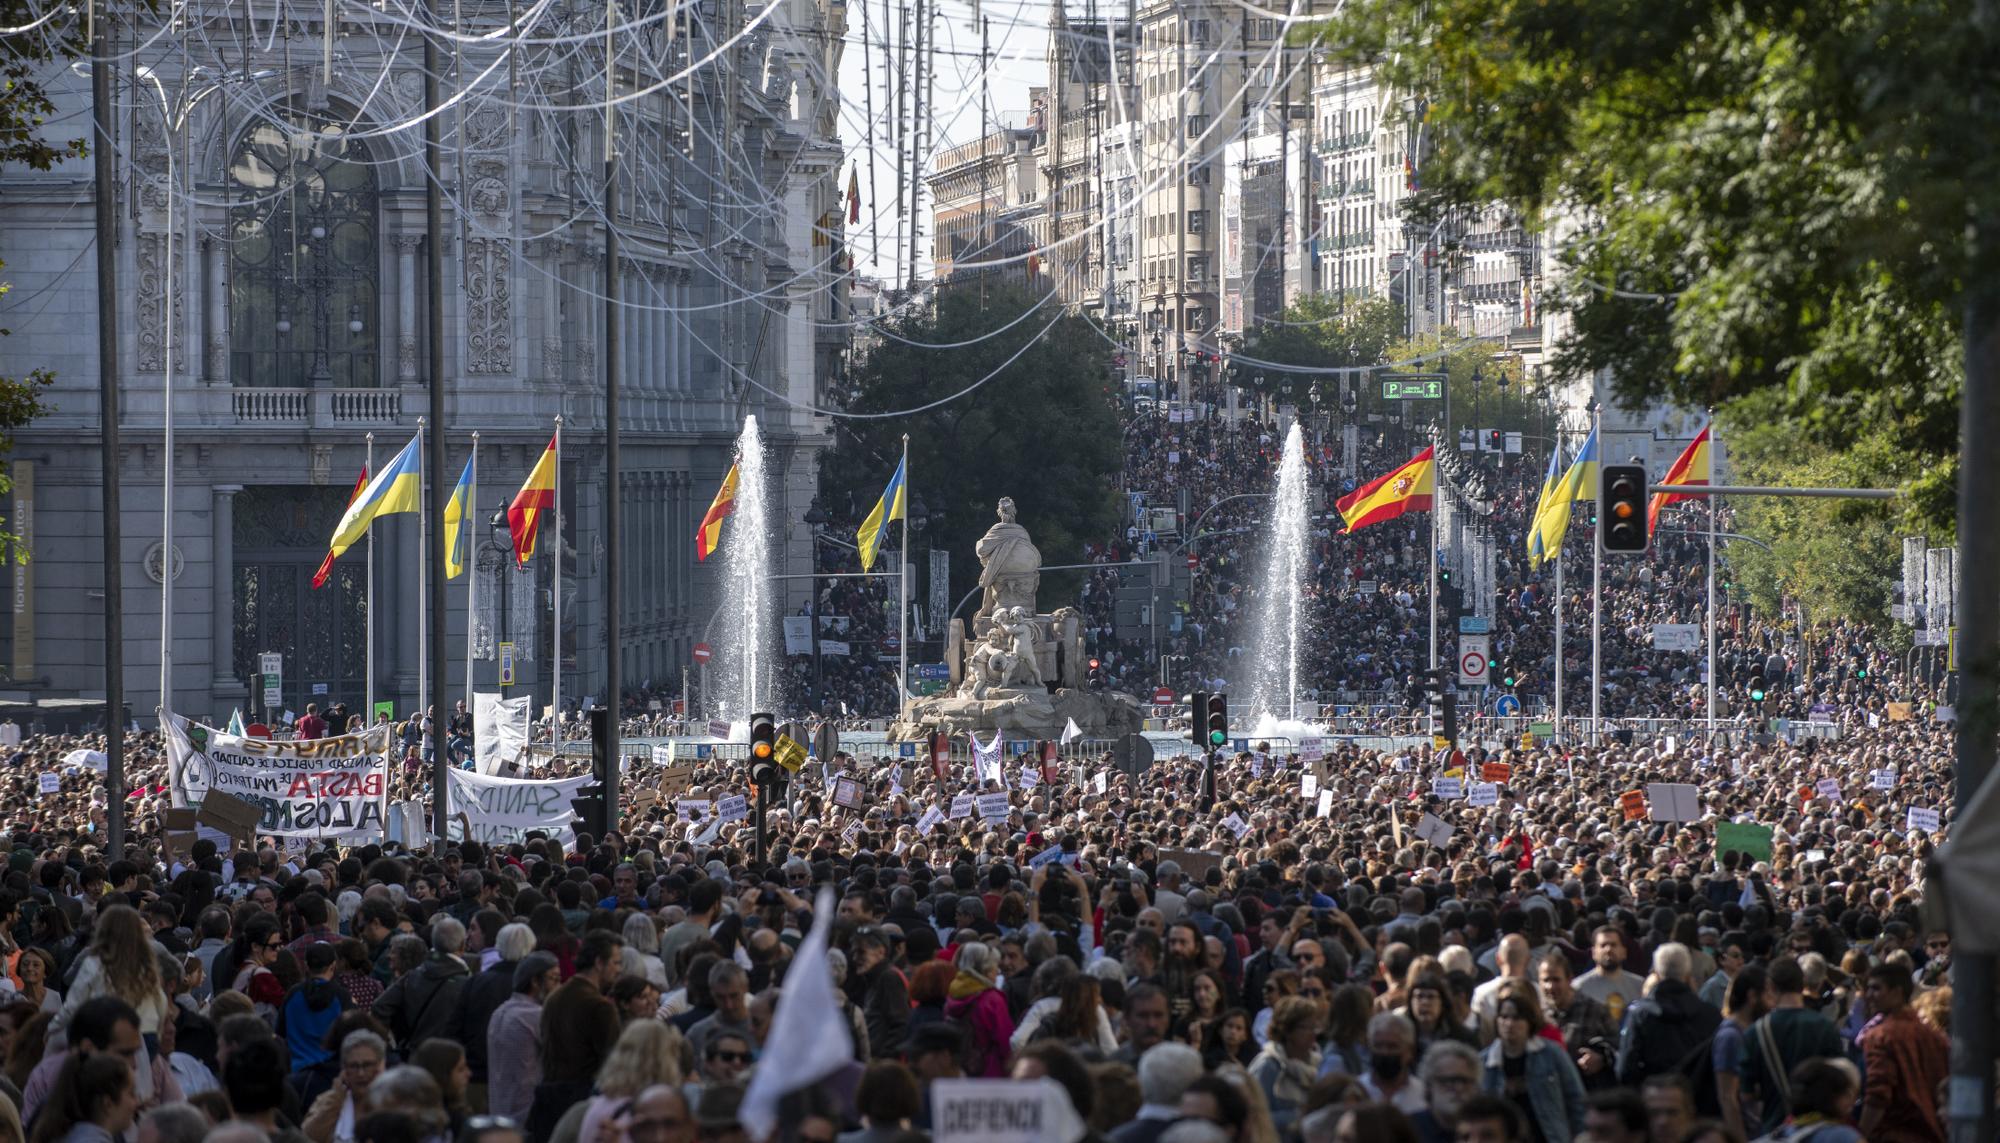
{"x": 1562, "y": 488}
{"x": 903, "y": 595}
{"x": 1596, "y": 599}
{"x": 555, "y": 644}
{"x": 1437, "y": 497}
{"x": 368, "y": 599}
{"x": 465, "y": 524}
{"x": 423, "y": 594}
{"x": 1712, "y": 510}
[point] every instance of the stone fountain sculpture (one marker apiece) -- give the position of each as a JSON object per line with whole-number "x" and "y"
{"x": 1017, "y": 670}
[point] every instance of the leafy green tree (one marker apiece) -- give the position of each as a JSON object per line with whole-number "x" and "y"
{"x": 1044, "y": 430}
{"x": 1318, "y": 332}
{"x": 1745, "y": 198}
{"x": 1832, "y": 558}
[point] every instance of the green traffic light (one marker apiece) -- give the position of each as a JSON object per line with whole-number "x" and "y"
{"x": 1756, "y": 696}
{"x": 1215, "y": 736}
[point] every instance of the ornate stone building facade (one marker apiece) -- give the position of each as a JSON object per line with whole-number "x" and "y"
{"x": 290, "y": 327}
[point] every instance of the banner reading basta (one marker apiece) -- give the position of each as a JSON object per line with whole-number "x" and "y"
{"x": 320, "y": 787}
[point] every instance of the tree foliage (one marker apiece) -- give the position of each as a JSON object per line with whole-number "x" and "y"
{"x": 1833, "y": 558}
{"x": 1745, "y": 197}
{"x": 1044, "y": 430}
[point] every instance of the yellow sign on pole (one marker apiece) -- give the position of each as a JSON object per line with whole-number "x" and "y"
{"x": 1440, "y": 743}
{"x": 788, "y": 753}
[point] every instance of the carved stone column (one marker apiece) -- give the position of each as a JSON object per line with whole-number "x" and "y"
{"x": 406, "y": 306}
{"x": 214, "y": 314}
{"x": 222, "y": 593}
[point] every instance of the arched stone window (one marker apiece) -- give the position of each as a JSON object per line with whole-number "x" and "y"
{"x": 304, "y": 214}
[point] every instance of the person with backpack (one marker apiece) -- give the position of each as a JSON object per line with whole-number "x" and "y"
{"x": 310, "y": 1009}
{"x": 1668, "y": 1025}
{"x": 1789, "y": 1035}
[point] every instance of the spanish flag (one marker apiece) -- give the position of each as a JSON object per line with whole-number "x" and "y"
{"x": 458, "y": 521}
{"x": 1579, "y": 482}
{"x": 399, "y": 487}
{"x": 890, "y": 507}
{"x": 1691, "y": 468}
{"x": 709, "y": 534}
{"x": 326, "y": 565}
{"x": 1407, "y": 489}
{"x": 537, "y": 496}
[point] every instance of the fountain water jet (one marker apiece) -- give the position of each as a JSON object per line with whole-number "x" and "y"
{"x": 746, "y": 659}
{"x": 1277, "y": 616}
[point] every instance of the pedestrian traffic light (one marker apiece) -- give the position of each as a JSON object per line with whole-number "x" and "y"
{"x": 764, "y": 770}
{"x": 1621, "y": 509}
{"x": 1198, "y": 720}
{"x": 1215, "y": 723}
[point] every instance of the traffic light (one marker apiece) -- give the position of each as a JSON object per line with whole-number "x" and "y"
{"x": 1198, "y": 720}
{"x": 1444, "y": 700}
{"x": 1756, "y": 688}
{"x": 764, "y": 768}
{"x": 1215, "y": 720}
{"x": 1451, "y": 597}
{"x": 1621, "y": 509}
{"x": 590, "y": 805}
{"x": 1509, "y": 676}
{"x": 1096, "y": 675}
{"x": 1495, "y": 440}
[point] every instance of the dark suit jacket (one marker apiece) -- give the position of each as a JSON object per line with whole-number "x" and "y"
{"x": 579, "y": 1025}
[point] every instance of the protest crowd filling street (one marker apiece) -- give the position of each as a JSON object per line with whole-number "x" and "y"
{"x": 1658, "y": 938}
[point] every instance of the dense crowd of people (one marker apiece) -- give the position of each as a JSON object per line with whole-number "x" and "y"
{"x": 1322, "y": 949}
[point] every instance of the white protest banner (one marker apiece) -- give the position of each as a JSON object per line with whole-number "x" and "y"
{"x": 503, "y": 810}
{"x": 1434, "y": 831}
{"x": 1920, "y": 818}
{"x": 961, "y": 807}
{"x": 708, "y": 832}
{"x": 1828, "y": 788}
{"x": 986, "y": 758}
{"x": 1325, "y": 803}
{"x": 1028, "y": 778}
{"x": 1882, "y": 779}
{"x": 1049, "y": 856}
{"x": 1674, "y": 801}
{"x": 1483, "y": 794}
{"x": 51, "y": 783}
{"x": 1102, "y": 783}
{"x": 499, "y": 730}
{"x": 931, "y": 817}
{"x": 1257, "y": 766}
{"x": 1235, "y": 824}
{"x": 834, "y": 647}
{"x": 1003, "y": 1111}
{"x": 718, "y": 729}
{"x": 1676, "y": 636}
{"x": 691, "y": 809}
{"x": 852, "y": 831}
{"x": 1450, "y": 789}
{"x": 316, "y": 787}
{"x": 993, "y": 807}
{"x": 1312, "y": 749}
{"x": 734, "y": 808}
{"x": 96, "y": 760}
{"x": 663, "y": 754}
{"x": 1308, "y": 784}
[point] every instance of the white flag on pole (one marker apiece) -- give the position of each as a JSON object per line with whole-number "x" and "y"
{"x": 986, "y": 759}
{"x": 809, "y": 1039}
{"x": 1071, "y": 731}
{"x": 499, "y": 730}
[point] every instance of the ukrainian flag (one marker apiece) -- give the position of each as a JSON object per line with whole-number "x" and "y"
{"x": 1579, "y": 482}
{"x": 876, "y": 526}
{"x": 1537, "y": 551}
{"x": 399, "y": 487}
{"x": 457, "y": 521}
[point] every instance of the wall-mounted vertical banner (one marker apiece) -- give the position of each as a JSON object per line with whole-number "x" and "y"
{"x": 21, "y": 521}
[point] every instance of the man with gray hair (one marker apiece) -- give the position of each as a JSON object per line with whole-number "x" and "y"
{"x": 424, "y": 1002}
{"x": 1392, "y": 1046}
{"x": 1664, "y": 1027}
{"x": 1167, "y": 896}
{"x": 1450, "y": 1073}
{"x": 1165, "y": 1071}
{"x": 173, "y": 1123}
{"x": 482, "y": 996}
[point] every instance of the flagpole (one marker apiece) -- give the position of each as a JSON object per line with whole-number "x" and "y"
{"x": 466, "y": 517}
{"x": 1559, "y": 640}
{"x": 903, "y": 603}
{"x": 368, "y": 598}
{"x": 555, "y": 644}
{"x": 423, "y": 590}
{"x": 1711, "y": 577}
{"x": 1437, "y": 496}
{"x": 1596, "y": 598}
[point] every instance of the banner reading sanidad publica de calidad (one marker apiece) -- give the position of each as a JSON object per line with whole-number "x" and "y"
{"x": 319, "y": 787}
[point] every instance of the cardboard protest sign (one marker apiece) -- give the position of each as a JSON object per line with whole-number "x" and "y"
{"x": 1434, "y": 831}
{"x": 1750, "y": 840}
{"x": 1483, "y": 794}
{"x": 1674, "y": 801}
{"x": 1632, "y": 804}
{"x": 847, "y": 793}
{"x": 1495, "y": 772}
